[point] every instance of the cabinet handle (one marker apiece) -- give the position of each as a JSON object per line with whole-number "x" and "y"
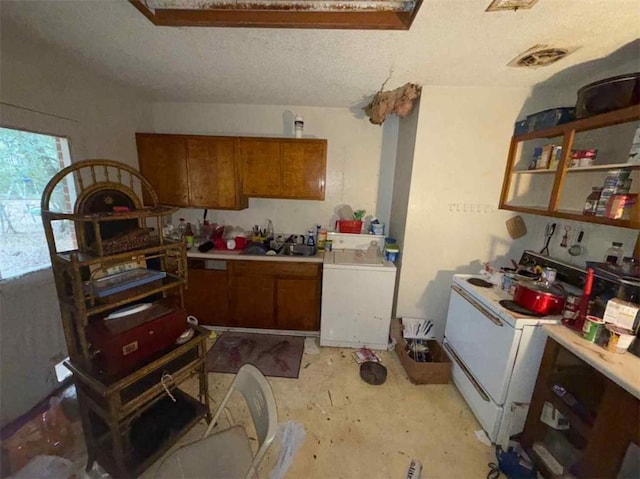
{"x": 491, "y": 317}
{"x": 467, "y": 373}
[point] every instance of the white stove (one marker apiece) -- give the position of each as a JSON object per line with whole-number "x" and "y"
{"x": 496, "y": 354}
{"x": 491, "y": 297}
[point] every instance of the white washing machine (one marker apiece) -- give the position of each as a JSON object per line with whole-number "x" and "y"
{"x": 357, "y": 293}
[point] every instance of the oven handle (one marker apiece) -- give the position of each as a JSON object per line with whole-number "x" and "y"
{"x": 467, "y": 373}
{"x": 478, "y": 306}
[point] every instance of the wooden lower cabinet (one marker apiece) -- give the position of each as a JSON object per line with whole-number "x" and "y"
{"x": 251, "y": 300}
{"x": 297, "y": 304}
{"x": 603, "y": 418}
{"x": 206, "y": 296}
{"x": 256, "y": 294}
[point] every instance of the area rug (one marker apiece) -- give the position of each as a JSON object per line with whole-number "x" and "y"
{"x": 274, "y": 355}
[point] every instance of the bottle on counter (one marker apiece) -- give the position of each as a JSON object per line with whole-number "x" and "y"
{"x": 269, "y": 230}
{"x": 298, "y": 126}
{"x": 614, "y": 254}
{"x": 583, "y": 308}
{"x": 322, "y": 238}
{"x": 310, "y": 238}
{"x": 182, "y": 226}
{"x": 188, "y": 236}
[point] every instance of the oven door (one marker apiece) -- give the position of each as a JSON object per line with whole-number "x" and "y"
{"x": 483, "y": 342}
{"x": 487, "y": 412}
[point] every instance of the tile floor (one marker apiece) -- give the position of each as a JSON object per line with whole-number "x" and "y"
{"x": 354, "y": 430}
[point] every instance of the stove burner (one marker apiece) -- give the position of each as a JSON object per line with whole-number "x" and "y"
{"x": 516, "y": 308}
{"x": 480, "y": 282}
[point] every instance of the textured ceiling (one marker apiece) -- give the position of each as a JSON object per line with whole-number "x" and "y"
{"x": 452, "y": 42}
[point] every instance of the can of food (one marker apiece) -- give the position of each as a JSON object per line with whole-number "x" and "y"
{"x": 591, "y": 328}
{"x": 619, "y": 339}
{"x": 322, "y": 239}
{"x": 571, "y": 309}
{"x": 508, "y": 280}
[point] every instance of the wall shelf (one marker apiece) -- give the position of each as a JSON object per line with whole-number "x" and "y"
{"x": 556, "y": 192}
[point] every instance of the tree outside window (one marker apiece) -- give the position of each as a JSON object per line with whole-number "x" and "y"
{"x": 27, "y": 163}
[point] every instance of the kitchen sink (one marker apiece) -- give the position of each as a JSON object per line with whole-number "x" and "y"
{"x": 288, "y": 249}
{"x": 297, "y": 250}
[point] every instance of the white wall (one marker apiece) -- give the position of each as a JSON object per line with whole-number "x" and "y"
{"x": 354, "y": 159}
{"x": 461, "y": 148}
{"x": 453, "y": 224}
{"x": 100, "y": 119}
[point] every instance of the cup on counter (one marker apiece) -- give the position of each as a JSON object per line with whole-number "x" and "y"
{"x": 509, "y": 282}
{"x": 591, "y": 328}
{"x": 619, "y": 339}
{"x": 241, "y": 242}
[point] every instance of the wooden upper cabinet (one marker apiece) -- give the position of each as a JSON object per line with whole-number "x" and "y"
{"x": 303, "y": 166}
{"x": 163, "y": 161}
{"x": 260, "y": 160}
{"x": 221, "y": 172}
{"x": 284, "y": 168}
{"x": 192, "y": 171}
{"x": 214, "y": 173}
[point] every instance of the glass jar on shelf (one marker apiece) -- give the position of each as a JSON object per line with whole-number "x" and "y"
{"x": 614, "y": 254}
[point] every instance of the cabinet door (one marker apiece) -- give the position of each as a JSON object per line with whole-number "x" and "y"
{"x": 206, "y": 297}
{"x": 213, "y": 174}
{"x": 261, "y": 169}
{"x": 298, "y": 304}
{"x": 163, "y": 161}
{"x": 251, "y": 297}
{"x": 303, "y": 167}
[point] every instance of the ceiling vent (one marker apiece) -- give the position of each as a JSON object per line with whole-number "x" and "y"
{"x": 541, "y": 56}
{"x": 501, "y": 5}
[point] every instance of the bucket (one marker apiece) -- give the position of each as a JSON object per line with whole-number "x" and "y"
{"x": 349, "y": 226}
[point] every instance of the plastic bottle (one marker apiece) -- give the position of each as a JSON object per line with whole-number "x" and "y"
{"x": 613, "y": 254}
{"x": 298, "y": 126}
{"x": 310, "y": 238}
{"x": 269, "y": 230}
{"x": 188, "y": 236}
{"x": 182, "y": 226}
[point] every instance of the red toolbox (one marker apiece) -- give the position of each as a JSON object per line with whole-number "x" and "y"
{"x": 119, "y": 352}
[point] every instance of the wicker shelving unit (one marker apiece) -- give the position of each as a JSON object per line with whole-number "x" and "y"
{"x": 114, "y": 231}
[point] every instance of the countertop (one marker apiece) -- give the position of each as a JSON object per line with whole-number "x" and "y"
{"x": 236, "y": 255}
{"x": 623, "y": 369}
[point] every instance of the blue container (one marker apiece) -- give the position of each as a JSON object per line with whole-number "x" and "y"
{"x": 521, "y": 127}
{"x": 550, "y": 118}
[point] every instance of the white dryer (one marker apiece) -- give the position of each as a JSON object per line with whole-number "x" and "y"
{"x": 357, "y": 293}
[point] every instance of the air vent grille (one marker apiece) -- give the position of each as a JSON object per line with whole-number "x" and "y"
{"x": 541, "y": 56}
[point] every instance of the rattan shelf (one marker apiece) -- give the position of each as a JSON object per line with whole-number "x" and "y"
{"x": 111, "y": 241}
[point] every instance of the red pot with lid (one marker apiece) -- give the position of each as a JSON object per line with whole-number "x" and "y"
{"x": 539, "y": 297}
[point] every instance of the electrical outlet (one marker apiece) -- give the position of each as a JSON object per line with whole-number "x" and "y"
{"x": 476, "y": 208}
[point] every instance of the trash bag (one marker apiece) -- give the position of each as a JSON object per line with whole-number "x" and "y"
{"x": 48, "y": 434}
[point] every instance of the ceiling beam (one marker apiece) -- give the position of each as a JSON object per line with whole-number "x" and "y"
{"x": 248, "y": 18}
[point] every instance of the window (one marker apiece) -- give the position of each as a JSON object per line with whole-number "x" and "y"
{"x": 27, "y": 163}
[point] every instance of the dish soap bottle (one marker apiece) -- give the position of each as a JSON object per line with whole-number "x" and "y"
{"x": 310, "y": 240}
{"x": 613, "y": 254}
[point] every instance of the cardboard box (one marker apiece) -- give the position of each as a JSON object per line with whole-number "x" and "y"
{"x": 436, "y": 372}
{"x": 622, "y": 313}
